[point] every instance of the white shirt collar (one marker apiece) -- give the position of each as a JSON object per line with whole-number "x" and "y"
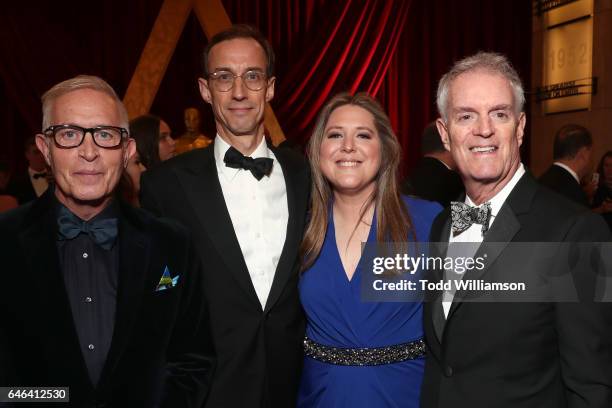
{"x": 569, "y": 170}
{"x": 498, "y": 200}
{"x": 221, "y": 147}
{"x": 441, "y": 161}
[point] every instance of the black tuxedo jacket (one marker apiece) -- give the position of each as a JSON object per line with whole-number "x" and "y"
{"x": 523, "y": 355}
{"x": 560, "y": 180}
{"x": 433, "y": 181}
{"x": 21, "y": 188}
{"x": 161, "y": 352}
{"x": 259, "y": 351}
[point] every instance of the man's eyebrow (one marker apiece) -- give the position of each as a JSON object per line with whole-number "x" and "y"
{"x": 460, "y": 109}
{"x": 503, "y": 106}
{"x": 218, "y": 69}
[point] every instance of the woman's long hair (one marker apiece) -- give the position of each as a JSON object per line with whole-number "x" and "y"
{"x": 145, "y": 131}
{"x": 392, "y": 218}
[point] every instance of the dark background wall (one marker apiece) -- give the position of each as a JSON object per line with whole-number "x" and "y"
{"x": 42, "y": 43}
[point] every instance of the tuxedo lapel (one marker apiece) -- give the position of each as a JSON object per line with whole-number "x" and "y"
{"x": 505, "y": 226}
{"x": 297, "y": 207}
{"x": 55, "y": 315}
{"x": 202, "y": 187}
{"x": 503, "y": 229}
{"x": 438, "y": 248}
{"x": 134, "y": 260}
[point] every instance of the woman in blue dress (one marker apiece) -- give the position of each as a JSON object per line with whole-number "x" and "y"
{"x": 358, "y": 353}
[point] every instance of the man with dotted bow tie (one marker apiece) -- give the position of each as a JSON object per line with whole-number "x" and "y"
{"x": 509, "y": 354}
{"x": 97, "y": 296}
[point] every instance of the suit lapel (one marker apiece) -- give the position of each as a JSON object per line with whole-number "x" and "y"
{"x": 39, "y": 245}
{"x": 134, "y": 259}
{"x": 297, "y": 207}
{"x": 505, "y": 226}
{"x": 203, "y": 189}
{"x": 438, "y": 247}
{"x": 499, "y": 236}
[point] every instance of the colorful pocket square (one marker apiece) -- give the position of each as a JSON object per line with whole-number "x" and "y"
{"x": 167, "y": 281}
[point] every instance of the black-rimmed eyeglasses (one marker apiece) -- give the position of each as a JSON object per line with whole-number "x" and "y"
{"x": 223, "y": 81}
{"x": 70, "y": 136}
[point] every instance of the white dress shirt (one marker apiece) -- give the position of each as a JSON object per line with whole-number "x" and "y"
{"x": 569, "y": 170}
{"x": 40, "y": 184}
{"x": 474, "y": 233}
{"x": 259, "y": 214}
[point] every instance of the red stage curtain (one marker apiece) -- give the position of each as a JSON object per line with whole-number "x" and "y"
{"x": 323, "y": 50}
{"x": 395, "y": 50}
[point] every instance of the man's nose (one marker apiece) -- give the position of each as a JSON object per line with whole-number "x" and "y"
{"x": 239, "y": 89}
{"x": 484, "y": 127}
{"x": 88, "y": 150}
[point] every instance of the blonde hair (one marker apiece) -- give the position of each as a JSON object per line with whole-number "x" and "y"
{"x": 392, "y": 218}
{"x": 73, "y": 84}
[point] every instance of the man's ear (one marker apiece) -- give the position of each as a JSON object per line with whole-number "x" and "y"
{"x": 42, "y": 143}
{"x": 129, "y": 151}
{"x": 520, "y": 129}
{"x": 443, "y": 131}
{"x": 205, "y": 90}
{"x": 270, "y": 89}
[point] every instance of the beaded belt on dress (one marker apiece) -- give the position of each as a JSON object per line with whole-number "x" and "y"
{"x": 364, "y": 356}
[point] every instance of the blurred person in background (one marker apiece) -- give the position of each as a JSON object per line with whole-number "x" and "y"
{"x": 602, "y": 200}
{"x": 35, "y": 181}
{"x": 434, "y": 178}
{"x": 572, "y": 150}
{"x": 154, "y": 145}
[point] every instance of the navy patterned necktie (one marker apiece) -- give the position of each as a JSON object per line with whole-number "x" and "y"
{"x": 464, "y": 216}
{"x": 259, "y": 167}
{"x": 102, "y": 231}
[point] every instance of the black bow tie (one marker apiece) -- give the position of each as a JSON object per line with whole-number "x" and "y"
{"x": 39, "y": 175}
{"x": 464, "y": 216}
{"x": 259, "y": 167}
{"x": 102, "y": 231}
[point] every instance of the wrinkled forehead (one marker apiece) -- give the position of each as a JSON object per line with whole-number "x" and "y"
{"x": 480, "y": 88}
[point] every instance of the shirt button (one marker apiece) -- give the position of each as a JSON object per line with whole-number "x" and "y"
{"x": 85, "y": 255}
{"x": 87, "y": 299}
{"x": 448, "y": 371}
{"x": 91, "y": 347}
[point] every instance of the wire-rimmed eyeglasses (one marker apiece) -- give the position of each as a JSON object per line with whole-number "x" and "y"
{"x": 223, "y": 81}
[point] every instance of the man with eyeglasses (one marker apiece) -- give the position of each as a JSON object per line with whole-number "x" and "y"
{"x": 245, "y": 202}
{"x": 97, "y": 296}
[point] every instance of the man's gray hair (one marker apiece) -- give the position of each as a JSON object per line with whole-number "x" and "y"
{"x": 74, "y": 84}
{"x": 482, "y": 61}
